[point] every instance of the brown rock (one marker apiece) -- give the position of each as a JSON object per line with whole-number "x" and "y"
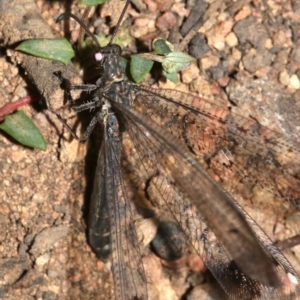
{"x": 166, "y": 21}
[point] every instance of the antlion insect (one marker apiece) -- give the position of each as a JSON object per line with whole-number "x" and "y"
{"x": 238, "y": 253}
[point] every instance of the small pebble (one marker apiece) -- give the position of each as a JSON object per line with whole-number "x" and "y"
{"x": 151, "y": 5}
{"x": 231, "y": 40}
{"x": 141, "y": 22}
{"x": 166, "y": 21}
{"x": 294, "y": 82}
{"x": 191, "y": 73}
{"x": 42, "y": 260}
{"x": 243, "y": 13}
{"x": 45, "y": 240}
{"x": 209, "y": 61}
{"x": 137, "y": 32}
{"x": 284, "y": 78}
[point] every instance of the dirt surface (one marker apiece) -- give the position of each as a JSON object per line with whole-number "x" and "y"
{"x": 247, "y": 57}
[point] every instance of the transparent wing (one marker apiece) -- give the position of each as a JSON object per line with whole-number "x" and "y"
{"x": 227, "y": 141}
{"x": 127, "y": 267}
{"x": 212, "y": 221}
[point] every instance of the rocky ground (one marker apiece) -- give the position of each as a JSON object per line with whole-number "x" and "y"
{"x": 247, "y": 57}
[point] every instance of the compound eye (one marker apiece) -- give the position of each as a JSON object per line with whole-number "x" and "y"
{"x": 98, "y": 56}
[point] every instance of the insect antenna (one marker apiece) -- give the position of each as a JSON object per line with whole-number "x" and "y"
{"x": 83, "y": 26}
{"x": 81, "y": 31}
{"x": 119, "y": 22}
{"x": 80, "y": 22}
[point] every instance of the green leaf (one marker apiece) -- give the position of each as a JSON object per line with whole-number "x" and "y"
{"x": 176, "y": 61}
{"x": 22, "y": 129}
{"x": 139, "y": 67}
{"x": 171, "y": 76}
{"x": 92, "y": 2}
{"x": 162, "y": 47}
{"x": 151, "y": 56}
{"x": 53, "y": 49}
{"x": 123, "y": 38}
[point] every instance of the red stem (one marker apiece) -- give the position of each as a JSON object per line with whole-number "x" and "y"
{"x": 12, "y": 106}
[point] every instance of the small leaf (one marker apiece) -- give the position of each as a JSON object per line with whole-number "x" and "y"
{"x": 53, "y": 49}
{"x": 139, "y": 67}
{"x": 176, "y": 61}
{"x": 162, "y": 47}
{"x": 123, "y": 38}
{"x": 171, "y": 76}
{"x": 92, "y": 2}
{"x": 151, "y": 56}
{"x": 22, "y": 129}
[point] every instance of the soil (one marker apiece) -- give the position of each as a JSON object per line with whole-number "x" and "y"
{"x": 247, "y": 57}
